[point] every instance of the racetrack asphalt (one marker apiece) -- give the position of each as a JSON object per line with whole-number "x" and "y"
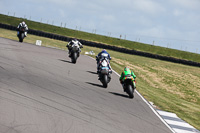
{"x": 41, "y": 91}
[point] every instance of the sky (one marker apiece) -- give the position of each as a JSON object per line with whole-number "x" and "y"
{"x": 167, "y": 23}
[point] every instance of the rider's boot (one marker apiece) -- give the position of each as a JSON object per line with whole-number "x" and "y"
{"x": 25, "y": 34}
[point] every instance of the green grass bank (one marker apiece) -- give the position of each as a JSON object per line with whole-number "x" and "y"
{"x": 103, "y": 39}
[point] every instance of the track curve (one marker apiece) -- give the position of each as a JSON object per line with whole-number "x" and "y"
{"x": 41, "y": 91}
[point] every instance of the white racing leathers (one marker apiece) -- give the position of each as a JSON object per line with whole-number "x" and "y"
{"x": 24, "y": 26}
{"x": 74, "y": 47}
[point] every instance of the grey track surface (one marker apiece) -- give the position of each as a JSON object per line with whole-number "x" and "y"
{"x": 42, "y": 92}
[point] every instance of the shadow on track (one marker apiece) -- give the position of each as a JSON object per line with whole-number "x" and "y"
{"x": 92, "y": 72}
{"x": 65, "y": 61}
{"x": 118, "y": 94}
{"x": 94, "y": 84}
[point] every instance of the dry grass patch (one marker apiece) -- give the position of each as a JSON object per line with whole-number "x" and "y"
{"x": 154, "y": 79}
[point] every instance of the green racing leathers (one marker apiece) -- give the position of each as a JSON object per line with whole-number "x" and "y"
{"x": 127, "y": 73}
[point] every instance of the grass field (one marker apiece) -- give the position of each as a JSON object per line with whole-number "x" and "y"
{"x": 170, "y": 86}
{"x": 103, "y": 39}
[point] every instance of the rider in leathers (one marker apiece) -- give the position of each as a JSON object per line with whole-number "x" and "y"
{"x": 125, "y": 73}
{"x": 100, "y": 56}
{"x": 22, "y": 24}
{"x": 69, "y": 45}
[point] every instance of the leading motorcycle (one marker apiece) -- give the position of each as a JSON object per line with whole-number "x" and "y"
{"x": 21, "y": 34}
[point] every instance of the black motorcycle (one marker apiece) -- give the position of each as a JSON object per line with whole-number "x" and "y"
{"x": 21, "y": 34}
{"x": 128, "y": 86}
{"x": 104, "y": 72}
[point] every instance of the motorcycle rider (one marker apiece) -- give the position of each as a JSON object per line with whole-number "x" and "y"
{"x": 69, "y": 45}
{"x": 22, "y": 24}
{"x": 103, "y": 54}
{"x": 126, "y": 73}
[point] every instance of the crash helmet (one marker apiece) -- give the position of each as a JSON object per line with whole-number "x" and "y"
{"x": 23, "y": 23}
{"x": 126, "y": 68}
{"x": 75, "y": 39}
{"x": 103, "y": 50}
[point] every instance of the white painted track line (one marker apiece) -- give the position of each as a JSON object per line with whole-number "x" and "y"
{"x": 177, "y": 124}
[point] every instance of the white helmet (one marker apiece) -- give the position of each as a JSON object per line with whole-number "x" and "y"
{"x": 23, "y": 23}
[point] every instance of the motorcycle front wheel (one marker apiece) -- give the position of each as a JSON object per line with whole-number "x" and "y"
{"x": 74, "y": 57}
{"x": 21, "y": 37}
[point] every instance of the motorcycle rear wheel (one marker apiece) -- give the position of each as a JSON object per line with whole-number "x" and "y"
{"x": 130, "y": 91}
{"x": 105, "y": 81}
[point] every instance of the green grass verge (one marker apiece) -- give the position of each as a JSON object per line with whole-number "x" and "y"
{"x": 170, "y": 86}
{"x": 103, "y": 39}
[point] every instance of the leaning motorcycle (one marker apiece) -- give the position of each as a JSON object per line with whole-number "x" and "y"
{"x": 75, "y": 52}
{"x": 129, "y": 86}
{"x": 104, "y": 72}
{"x": 21, "y": 34}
